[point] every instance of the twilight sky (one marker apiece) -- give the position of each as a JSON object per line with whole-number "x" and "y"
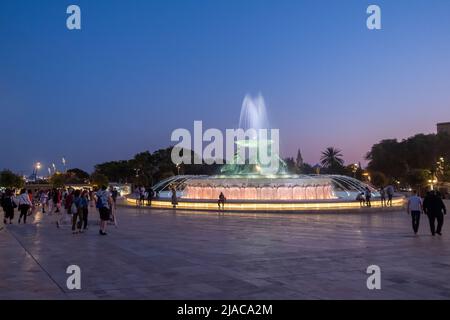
{"x": 139, "y": 69}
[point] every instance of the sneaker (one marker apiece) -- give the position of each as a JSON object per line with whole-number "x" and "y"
{"x": 57, "y": 224}
{"x": 439, "y": 233}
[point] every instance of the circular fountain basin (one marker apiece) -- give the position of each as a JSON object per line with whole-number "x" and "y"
{"x": 277, "y": 193}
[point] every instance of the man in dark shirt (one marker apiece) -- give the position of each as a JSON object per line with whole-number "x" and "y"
{"x": 435, "y": 209}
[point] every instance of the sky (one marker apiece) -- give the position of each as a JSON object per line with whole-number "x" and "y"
{"x": 138, "y": 69}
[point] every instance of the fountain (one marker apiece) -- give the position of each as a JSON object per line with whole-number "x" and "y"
{"x": 254, "y": 186}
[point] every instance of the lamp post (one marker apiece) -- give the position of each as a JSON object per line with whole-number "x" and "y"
{"x": 367, "y": 175}
{"x": 432, "y": 182}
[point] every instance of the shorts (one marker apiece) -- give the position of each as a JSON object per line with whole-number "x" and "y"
{"x": 104, "y": 214}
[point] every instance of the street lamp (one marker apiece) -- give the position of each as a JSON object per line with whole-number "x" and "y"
{"x": 367, "y": 175}
{"x": 432, "y": 182}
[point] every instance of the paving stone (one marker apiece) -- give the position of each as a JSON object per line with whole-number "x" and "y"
{"x": 157, "y": 254}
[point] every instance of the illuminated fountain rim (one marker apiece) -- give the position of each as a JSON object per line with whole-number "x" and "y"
{"x": 325, "y": 205}
{"x": 273, "y": 206}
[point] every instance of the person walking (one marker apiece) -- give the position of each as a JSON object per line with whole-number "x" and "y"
{"x": 84, "y": 204}
{"x": 383, "y": 196}
{"x": 362, "y": 200}
{"x": 56, "y": 200}
{"x": 33, "y": 202}
{"x": 8, "y": 206}
{"x": 104, "y": 205}
{"x": 390, "y": 194}
{"x": 142, "y": 196}
{"x": 68, "y": 200}
{"x": 150, "y": 196}
{"x": 435, "y": 209}
{"x": 43, "y": 199}
{"x": 76, "y": 212}
{"x": 114, "y": 195}
{"x": 24, "y": 203}
{"x": 415, "y": 208}
{"x": 174, "y": 197}
{"x": 137, "y": 194}
{"x": 368, "y": 196}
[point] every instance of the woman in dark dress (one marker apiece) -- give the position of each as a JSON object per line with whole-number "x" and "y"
{"x": 8, "y": 206}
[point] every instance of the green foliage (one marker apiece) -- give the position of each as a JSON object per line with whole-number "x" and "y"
{"x": 79, "y": 175}
{"x": 99, "y": 179}
{"x": 332, "y": 160}
{"x": 291, "y": 165}
{"x": 8, "y": 179}
{"x": 58, "y": 180}
{"x": 418, "y": 178}
{"x": 401, "y": 160}
{"x": 378, "y": 179}
{"x": 117, "y": 171}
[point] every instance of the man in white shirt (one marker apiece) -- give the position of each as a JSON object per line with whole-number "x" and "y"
{"x": 415, "y": 208}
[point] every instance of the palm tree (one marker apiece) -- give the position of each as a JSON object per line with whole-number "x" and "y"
{"x": 332, "y": 158}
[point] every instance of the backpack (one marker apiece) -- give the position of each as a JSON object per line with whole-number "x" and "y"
{"x": 100, "y": 201}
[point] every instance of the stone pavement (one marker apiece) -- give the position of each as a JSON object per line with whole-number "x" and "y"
{"x": 157, "y": 254}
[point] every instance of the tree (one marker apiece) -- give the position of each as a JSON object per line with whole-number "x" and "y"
{"x": 99, "y": 179}
{"x": 79, "y": 174}
{"x": 8, "y": 179}
{"x": 418, "y": 178}
{"x": 398, "y": 160}
{"x": 299, "y": 159}
{"x": 378, "y": 179}
{"x": 332, "y": 159}
{"x": 58, "y": 180}
{"x": 117, "y": 171}
{"x": 306, "y": 168}
{"x": 291, "y": 166}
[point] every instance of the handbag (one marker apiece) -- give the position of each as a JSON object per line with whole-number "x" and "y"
{"x": 73, "y": 208}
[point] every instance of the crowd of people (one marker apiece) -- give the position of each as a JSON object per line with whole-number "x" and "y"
{"x": 386, "y": 196}
{"x": 74, "y": 205}
{"x": 144, "y": 196}
{"x": 69, "y": 206}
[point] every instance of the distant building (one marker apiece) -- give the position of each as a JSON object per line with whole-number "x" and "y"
{"x": 443, "y": 127}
